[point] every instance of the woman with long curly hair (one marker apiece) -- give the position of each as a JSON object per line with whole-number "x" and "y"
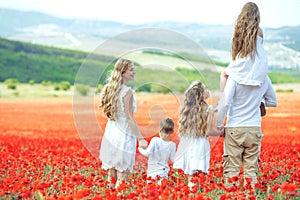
{"x": 118, "y": 146}
{"x": 246, "y": 84}
{"x": 195, "y": 125}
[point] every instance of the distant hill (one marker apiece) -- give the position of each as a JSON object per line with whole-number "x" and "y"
{"x": 25, "y": 61}
{"x": 282, "y": 44}
{"x": 289, "y": 36}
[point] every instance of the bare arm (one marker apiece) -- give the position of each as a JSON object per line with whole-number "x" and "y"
{"x": 128, "y": 108}
{"x": 223, "y": 80}
{"x": 210, "y": 130}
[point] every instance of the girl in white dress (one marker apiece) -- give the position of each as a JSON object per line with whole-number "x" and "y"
{"x": 195, "y": 125}
{"x": 160, "y": 151}
{"x": 118, "y": 145}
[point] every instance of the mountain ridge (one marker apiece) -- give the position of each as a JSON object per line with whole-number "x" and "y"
{"x": 282, "y": 44}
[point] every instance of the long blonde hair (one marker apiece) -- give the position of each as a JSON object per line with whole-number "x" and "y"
{"x": 193, "y": 115}
{"x": 110, "y": 92}
{"x": 245, "y": 32}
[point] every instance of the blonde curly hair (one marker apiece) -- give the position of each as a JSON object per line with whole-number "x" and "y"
{"x": 193, "y": 115}
{"x": 110, "y": 92}
{"x": 245, "y": 32}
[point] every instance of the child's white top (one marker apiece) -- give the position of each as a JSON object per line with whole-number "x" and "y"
{"x": 159, "y": 153}
{"x": 247, "y": 71}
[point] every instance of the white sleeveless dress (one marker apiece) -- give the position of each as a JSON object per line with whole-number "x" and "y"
{"x": 193, "y": 154}
{"x": 118, "y": 145}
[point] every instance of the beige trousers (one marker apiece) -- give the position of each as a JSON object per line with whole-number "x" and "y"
{"x": 242, "y": 147}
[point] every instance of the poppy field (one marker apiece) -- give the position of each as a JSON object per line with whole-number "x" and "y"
{"x": 44, "y": 157}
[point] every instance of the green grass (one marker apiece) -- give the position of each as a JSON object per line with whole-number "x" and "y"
{"x": 290, "y": 76}
{"x": 25, "y": 61}
{"x": 156, "y": 71}
{"x": 33, "y": 91}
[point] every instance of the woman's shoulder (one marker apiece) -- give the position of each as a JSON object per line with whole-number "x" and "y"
{"x": 125, "y": 89}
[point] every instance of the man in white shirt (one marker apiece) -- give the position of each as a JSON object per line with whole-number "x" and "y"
{"x": 243, "y": 125}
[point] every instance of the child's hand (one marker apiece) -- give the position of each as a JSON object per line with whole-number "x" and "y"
{"x": 143, "y": 144}
{"x": 212, "y": 110}
{"x": 140, "y": 149}
{"x": 215, "y": 107}
{"x": 222, "y": 131}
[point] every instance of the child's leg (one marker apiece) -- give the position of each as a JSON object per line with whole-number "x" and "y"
{"x": 190, "y": 183}
{"x": 223, "y": 80}
{"x": 122, "y": 176}
{"x": 112, "y": 174}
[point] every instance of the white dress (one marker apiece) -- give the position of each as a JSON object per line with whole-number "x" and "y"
{"x": 193, "y": 154}
{"x": 159, "y": 153}
{"x": 118, "y": 145}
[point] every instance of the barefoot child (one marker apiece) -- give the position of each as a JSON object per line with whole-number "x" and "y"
{"x": 160, "y": 151}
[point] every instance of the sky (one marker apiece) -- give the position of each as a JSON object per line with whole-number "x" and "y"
{"x": 274, "y": 13}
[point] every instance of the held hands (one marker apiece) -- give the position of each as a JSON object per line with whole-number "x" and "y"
{"x": 215, "y": 107}
{"x": 143, "y": 143}
{"x": 222, "y": 131}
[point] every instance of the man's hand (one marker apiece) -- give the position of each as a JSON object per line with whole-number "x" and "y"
{"x": 222, "y": 131}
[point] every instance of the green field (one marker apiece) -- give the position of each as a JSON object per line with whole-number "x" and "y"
{"x": 157, "y": 72}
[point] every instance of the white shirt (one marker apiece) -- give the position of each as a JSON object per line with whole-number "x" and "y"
{"x": 249, "y": 71}
{"x": 159, "y": 153}
{"x": 241, "y": 103}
